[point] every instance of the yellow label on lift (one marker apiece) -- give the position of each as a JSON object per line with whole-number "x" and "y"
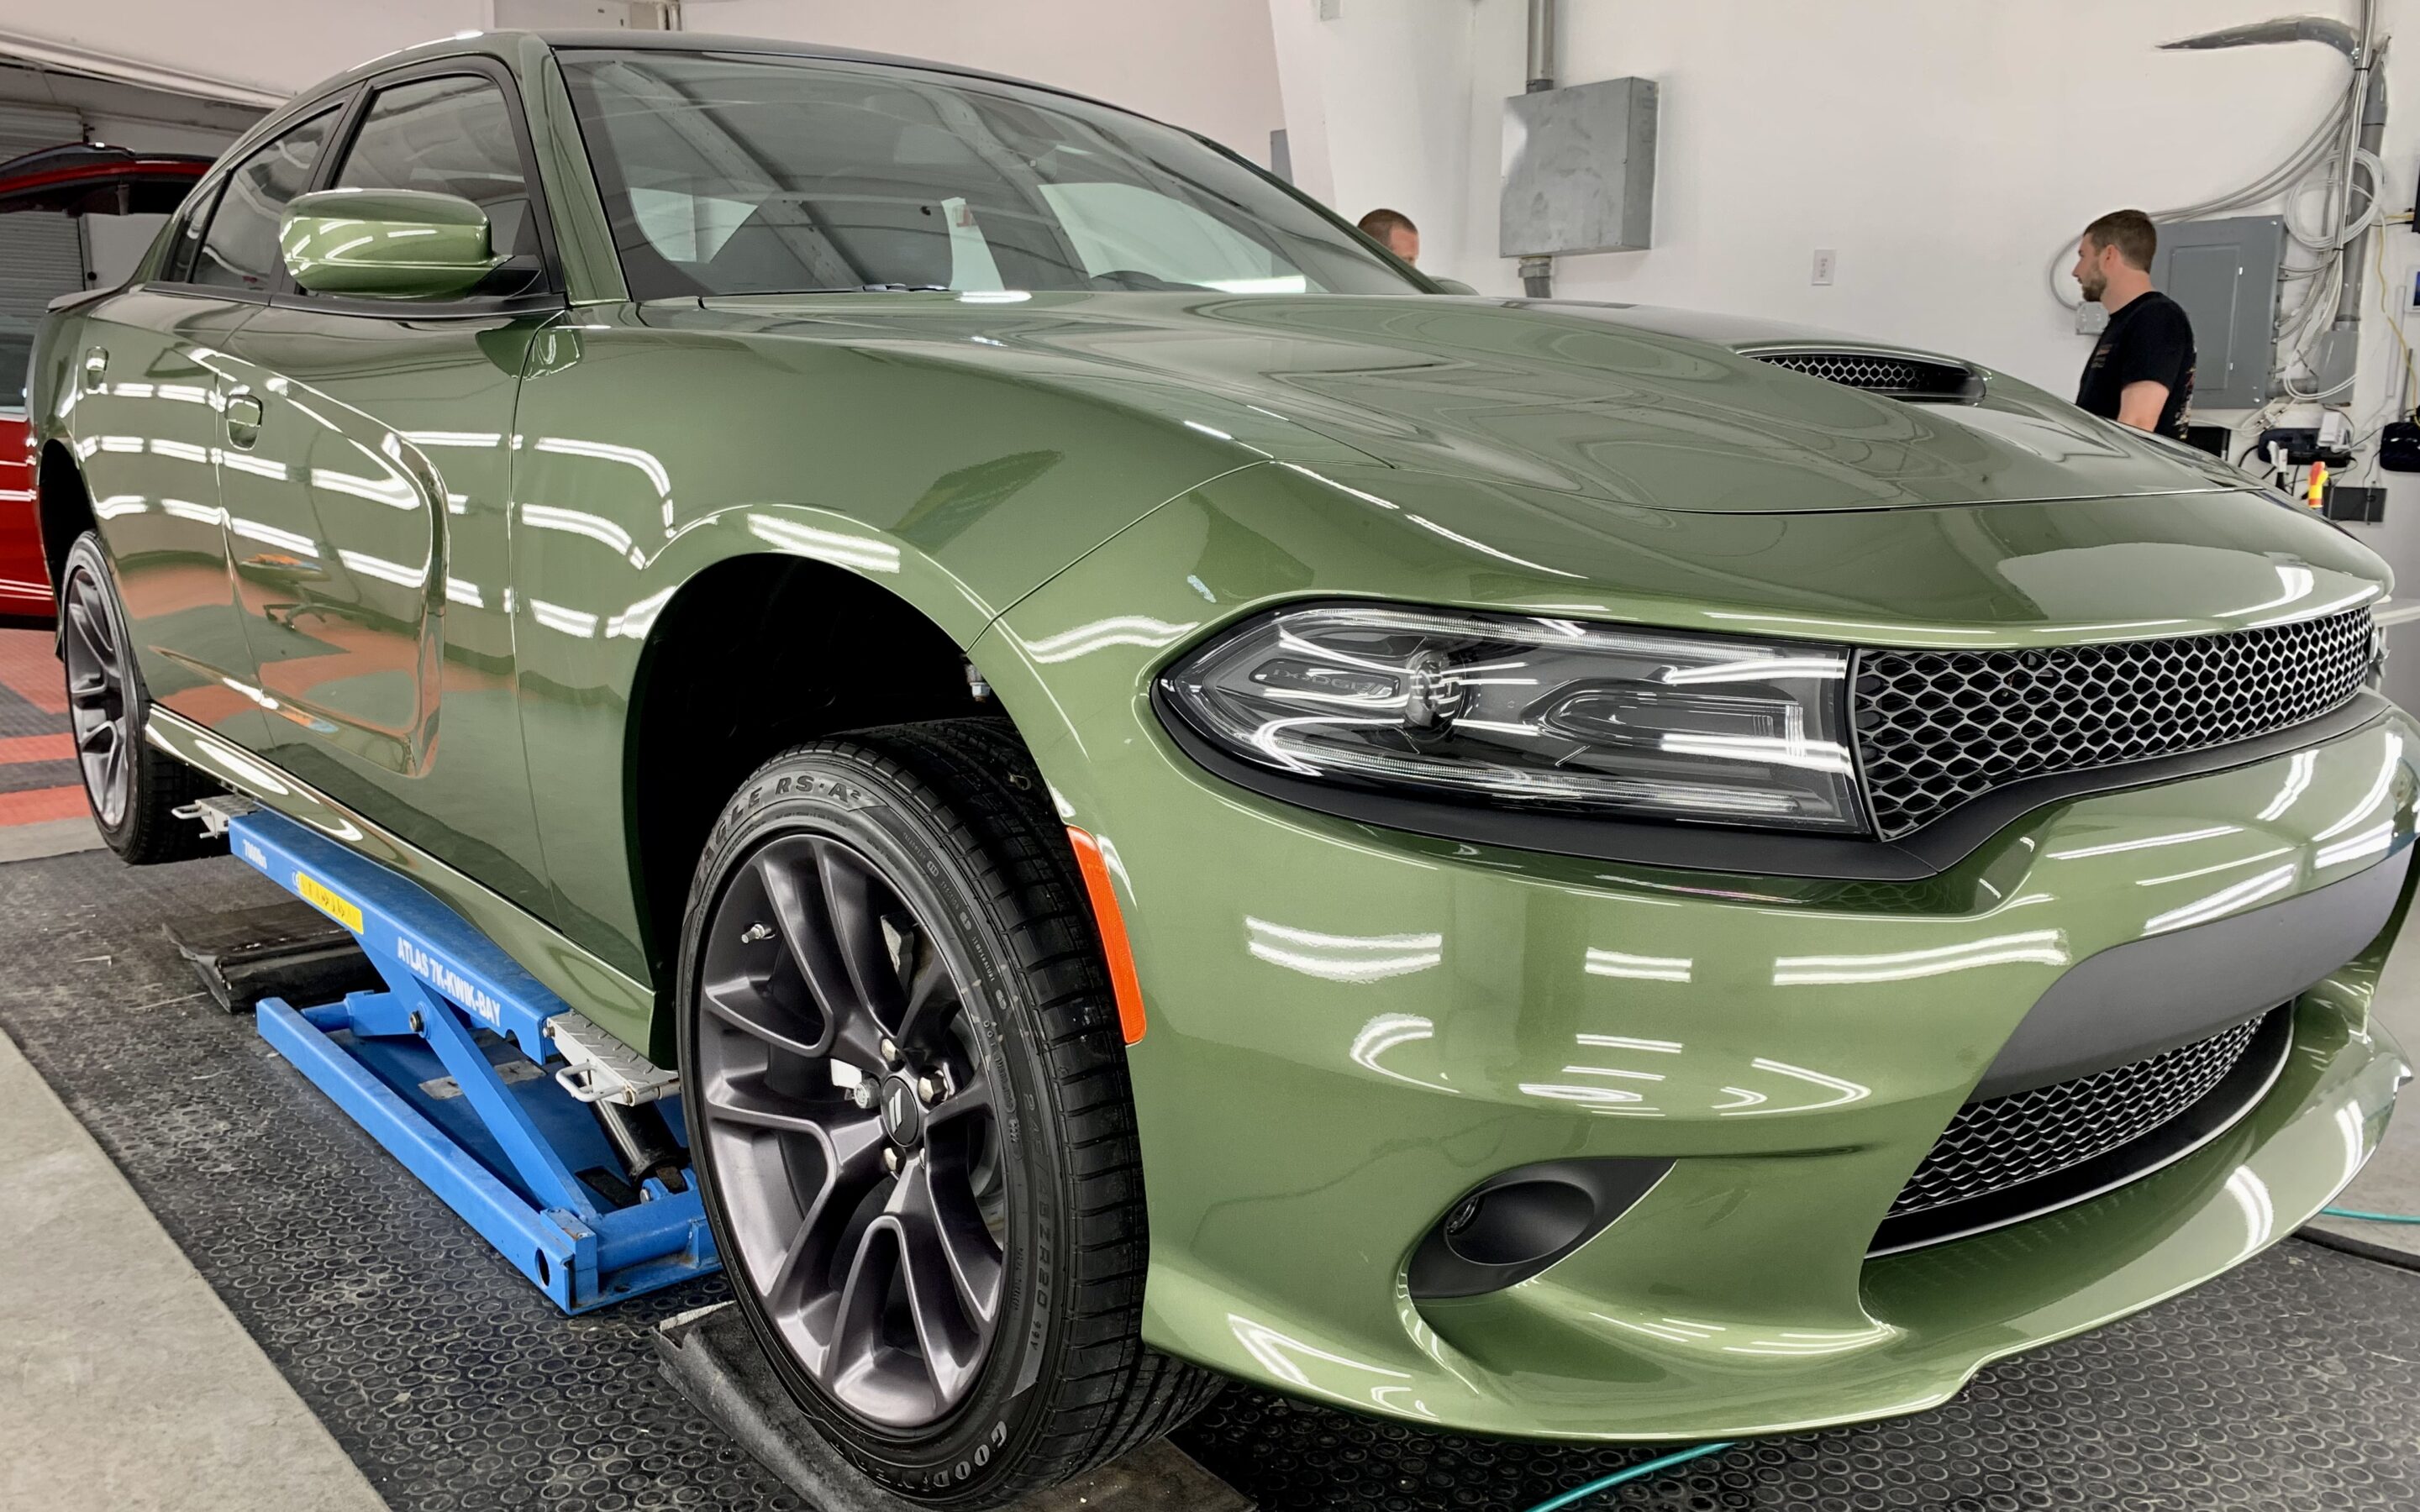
{"x": 325, "y": 899}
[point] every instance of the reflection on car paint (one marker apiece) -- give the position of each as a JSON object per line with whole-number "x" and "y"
{"x": 383, "y": 570}
{"x": 1392, "y": 1032}
{"x": 580, "y": 522}
{"x": 1347, "y": 958}
{"x": 634, "y": 622}
{"x": 394, "y": 490}
{"x": 1602, "y": 962}
{"x": 558, "y": 617}
{"x": 862, "y": 552}
{"x": 1117, "y": 630}
{"x": 1284, "y": 1357}
{"x": 2046, "y": 948}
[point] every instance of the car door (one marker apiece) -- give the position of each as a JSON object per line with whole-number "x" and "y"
{"x": 368, "y": 459}
{"x": 149, "y": 376}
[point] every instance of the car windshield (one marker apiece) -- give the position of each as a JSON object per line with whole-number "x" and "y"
{"x": 749, "y": 174}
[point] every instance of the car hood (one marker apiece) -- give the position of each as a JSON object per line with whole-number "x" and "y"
{"x": 1630, "y": 405}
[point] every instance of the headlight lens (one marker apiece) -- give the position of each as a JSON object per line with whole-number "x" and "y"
{"x": 1533, "y": 712}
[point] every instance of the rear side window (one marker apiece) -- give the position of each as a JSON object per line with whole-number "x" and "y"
{"x": 448, "y": 136}
{"x": 239, "y": 250}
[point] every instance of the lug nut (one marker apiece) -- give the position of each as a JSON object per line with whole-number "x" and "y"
{"x": 930, "y": 1089}
{"x": 863, "y": 1094}
{"x": 890, "y": 1159}
{"x": 890, "y": 1051}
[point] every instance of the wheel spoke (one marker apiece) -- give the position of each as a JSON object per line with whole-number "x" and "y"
{"x": 99, "y": 740}
{"x": 931, "y": 989}
{"x": 974, "y": 1096}
{"x": 951, "y": 1289}
{"x": 745, "y": 1006}
{"x": 850, "y": 1168}
{"x": 943, "y": 1224}
{"x": 90, "y": 692}
{"x": 851, "y": 1350}
{"x": 852, "y": 902}
{"x": 88, "y": 623}
{"x": 744, "y": 1100}
{"x": 805, "y": 929}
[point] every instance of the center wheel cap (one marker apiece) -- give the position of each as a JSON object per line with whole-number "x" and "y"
{"x": 903, "y": 1112}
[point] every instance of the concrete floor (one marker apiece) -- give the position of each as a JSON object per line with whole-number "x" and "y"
{"x": 128, "y": 1387}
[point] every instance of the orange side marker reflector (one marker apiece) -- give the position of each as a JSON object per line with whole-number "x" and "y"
{"x": 1101, "y": 889}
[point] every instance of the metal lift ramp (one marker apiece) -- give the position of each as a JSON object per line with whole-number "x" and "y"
{"x": 561, "y": 1145}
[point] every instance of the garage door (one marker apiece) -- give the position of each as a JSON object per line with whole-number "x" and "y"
{"x": 42, "y": 256}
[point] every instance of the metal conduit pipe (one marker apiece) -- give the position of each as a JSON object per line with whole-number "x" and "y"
{"x": 1538, "y": 273}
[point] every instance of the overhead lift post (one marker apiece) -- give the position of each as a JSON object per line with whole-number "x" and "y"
{"x": 577, "y": 1178}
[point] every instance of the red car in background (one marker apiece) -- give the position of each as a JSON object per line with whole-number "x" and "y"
{"x": 25, "y": 578}
{"x": 77, "y": 178}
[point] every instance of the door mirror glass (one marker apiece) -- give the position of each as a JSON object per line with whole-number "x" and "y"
{"x": 387, "y": 243}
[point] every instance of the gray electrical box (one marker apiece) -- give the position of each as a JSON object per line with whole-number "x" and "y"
{"x": 2225, "y": 273}
{"x": 1579, "y": 169}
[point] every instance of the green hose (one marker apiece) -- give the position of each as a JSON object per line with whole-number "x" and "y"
{"x": 2371, "y": 1217}
{"x": 1623, "y": 1478}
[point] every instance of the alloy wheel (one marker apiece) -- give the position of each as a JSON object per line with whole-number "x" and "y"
{"x": 99, "y": 704}
{"x": 854, "y": 1132}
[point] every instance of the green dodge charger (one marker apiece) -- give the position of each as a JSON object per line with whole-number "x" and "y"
{"x": 1190, "y": 802}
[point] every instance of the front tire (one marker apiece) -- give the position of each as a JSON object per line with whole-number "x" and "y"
{"x": 909, "y": 1112}
{"x": 132, "y": 786}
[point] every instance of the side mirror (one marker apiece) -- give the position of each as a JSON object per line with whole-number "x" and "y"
{"x": 1452, "y": 285}
{"x": 386, "y": 243}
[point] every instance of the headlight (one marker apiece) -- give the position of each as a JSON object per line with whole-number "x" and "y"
{"x": 1537, "y": 712}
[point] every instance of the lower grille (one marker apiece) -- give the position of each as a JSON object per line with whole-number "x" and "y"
{"x": 2004, "y": 1142}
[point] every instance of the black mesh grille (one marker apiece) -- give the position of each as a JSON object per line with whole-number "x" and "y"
{"x": 2004, "y": 1141}
{"x": 1938, "y": 728}
{"x": 1906, "y": 377}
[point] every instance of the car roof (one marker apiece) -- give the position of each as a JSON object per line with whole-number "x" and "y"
{"x": 505, "y": 43}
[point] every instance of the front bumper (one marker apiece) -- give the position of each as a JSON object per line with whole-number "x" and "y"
{"x": 1350, "y": 1027}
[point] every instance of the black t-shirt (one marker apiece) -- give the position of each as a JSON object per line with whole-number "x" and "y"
{"x": 2148, "y": 341}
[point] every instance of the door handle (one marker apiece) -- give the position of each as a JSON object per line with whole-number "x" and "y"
{"x": 95, "y": 364}
{"x": 243, "y": 416}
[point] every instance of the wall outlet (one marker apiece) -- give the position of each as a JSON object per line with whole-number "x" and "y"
{"x": 1822, "y": 266}
{"x": 1331, "y": 9}
{"x": 2091, "y": 318}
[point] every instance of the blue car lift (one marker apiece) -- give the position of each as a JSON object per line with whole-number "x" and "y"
{"x": 580, "y": 1177}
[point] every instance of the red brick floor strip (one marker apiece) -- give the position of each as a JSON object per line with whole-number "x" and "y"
{"x": 37, "y": 805}
{"x": 17, "y": 749}
{"x": 31, "y": 671}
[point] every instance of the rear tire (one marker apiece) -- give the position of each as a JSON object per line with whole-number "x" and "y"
{"x": 956, "y": 1304}
{"x": 132, "y": 786}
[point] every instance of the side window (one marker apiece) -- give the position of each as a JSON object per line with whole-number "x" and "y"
{"x": 449, "y": 136}
{"x": 239, "y": 250}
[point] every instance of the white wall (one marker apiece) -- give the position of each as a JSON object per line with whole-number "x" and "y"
{"x": 277, "y": 45}
{"x": 1945, "y": 149}
{"x": 1942, "y": 150}
{"x": 1207, "y": 64}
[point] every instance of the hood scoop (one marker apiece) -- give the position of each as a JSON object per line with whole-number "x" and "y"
{"x": 1892, "y": 375}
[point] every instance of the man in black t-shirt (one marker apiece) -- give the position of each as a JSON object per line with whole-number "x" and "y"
{"x": 2141, "y": 373}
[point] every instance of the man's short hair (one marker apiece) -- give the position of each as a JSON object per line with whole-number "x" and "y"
{"x": 2130, "y": 232}
{"x": 1382, "y": 224}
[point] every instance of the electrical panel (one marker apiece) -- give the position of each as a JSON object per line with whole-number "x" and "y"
{"x": 1579, "y": 169}
{"x": 2225, "y": 274}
